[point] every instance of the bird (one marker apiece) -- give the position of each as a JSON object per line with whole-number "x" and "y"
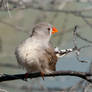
{"x": 36, "y": 53}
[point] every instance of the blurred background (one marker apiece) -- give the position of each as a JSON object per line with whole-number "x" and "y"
{"x": 17, "y": 17}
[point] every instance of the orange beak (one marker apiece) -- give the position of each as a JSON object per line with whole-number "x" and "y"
{"x": 54, "y": 30}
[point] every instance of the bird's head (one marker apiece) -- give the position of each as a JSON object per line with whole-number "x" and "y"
{"x": 43, "y": 30}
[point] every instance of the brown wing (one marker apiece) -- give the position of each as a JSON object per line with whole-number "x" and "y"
{"x": 17, "y": 57}
{"x": 52, "y": 58}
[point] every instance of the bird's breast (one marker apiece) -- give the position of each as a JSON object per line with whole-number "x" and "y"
{"x": 29, "y": 50}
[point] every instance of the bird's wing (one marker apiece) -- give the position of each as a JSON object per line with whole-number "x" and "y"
{"x": 51, "y": 57}
{"x": 18, "y": 57}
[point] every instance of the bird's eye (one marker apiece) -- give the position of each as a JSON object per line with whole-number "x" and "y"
{"x": 48, "y": 29}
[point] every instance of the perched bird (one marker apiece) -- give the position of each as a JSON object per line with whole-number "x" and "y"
{"x": 35, "y": 53}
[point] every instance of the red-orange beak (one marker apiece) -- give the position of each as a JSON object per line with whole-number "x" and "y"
{"x": 54, "y": 30}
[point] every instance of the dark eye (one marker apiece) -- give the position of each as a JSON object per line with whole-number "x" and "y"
{"x": 48, "y": 29}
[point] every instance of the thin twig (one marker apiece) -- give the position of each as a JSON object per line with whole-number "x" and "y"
{"x": 77, "y": 50}
{"x": 7, "y": 6}
{"x": 84, "y": 39}
{"x": 16, "y": 27}
{"x": 61, "y": 53}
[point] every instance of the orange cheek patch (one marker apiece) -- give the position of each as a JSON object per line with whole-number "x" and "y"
{"x": 54, "y": 30}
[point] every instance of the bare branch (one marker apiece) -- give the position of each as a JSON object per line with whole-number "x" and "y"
{"x": 77, "y": 50}
{"x": 61, "y": 53}
{"x": 9, "y": 65}
{"x": 85, "y": 20}
{"x": 3, "y": 90}
{"x": 83, "y": 75}
{"x": 16, "y": 27}
{"x": 1, "y": 3}
{"x": 82, "y": 38}
{"x": 27, "y": 5}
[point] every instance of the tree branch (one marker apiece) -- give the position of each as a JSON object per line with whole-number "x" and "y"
{"x": 84, "y": 75}
{"x": 1, "y": 3}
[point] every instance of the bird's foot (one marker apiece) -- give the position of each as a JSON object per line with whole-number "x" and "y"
{"x": 26, "y": 76}
{"x": 42, "y": 74}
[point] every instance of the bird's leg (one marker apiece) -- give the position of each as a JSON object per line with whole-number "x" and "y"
{"x": 42, "y": 74}
{"x": 26, "y": 76}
